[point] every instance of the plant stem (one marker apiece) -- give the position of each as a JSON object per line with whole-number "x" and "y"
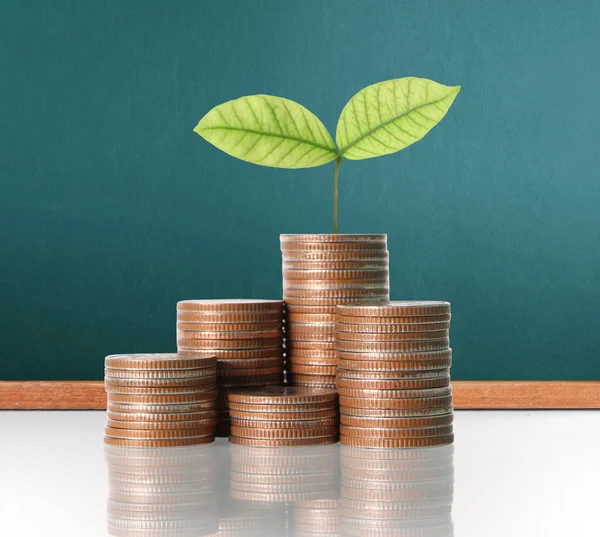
{"x": 338, "y": 161}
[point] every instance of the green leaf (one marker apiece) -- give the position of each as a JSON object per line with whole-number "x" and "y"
{"x": 389, "y": 116}
{"x": 270, "y": 131}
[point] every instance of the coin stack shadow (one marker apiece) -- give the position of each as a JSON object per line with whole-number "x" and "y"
{"x": 161, "y": 492}
{"x": 160, "y": 400}
{"x": 394, "y": 374}
{"x": 319, "y": 272}
{"x": 397, "y": 492}
{"x": 245, "y": 335}
{"x": 284, "y": 416}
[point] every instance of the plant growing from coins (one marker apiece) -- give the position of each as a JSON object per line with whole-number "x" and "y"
{"x": 379, "y": 120}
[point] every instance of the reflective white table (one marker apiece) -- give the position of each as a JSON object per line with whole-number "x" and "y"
{"x": 508, "y": 474}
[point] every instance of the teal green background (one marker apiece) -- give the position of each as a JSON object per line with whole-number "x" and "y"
{"x": 112, "y": 209}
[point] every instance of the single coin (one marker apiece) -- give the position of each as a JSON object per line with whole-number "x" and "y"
{"x": 116, "y": 382}
{"x": 294, "y": 345}
{"x": 313, "y": 380}
{"x": 293, "y": 407}
{"x": 397, "y": 423}
{"x": 360, "y": 265}
{"x": 255, "y": 380}
{"x": 173, "y": 408}
{"x": 310, "y": 318}
{"x": 397, "y": 442}
{"x": 259, "y": 371}
{"x": 161, "y": 425}
{"x": 318, "y": 354}
{"x": 311, "y": 310}
{"x": 310, "y": 328}
{"x": 312, "y": 369}
{"x": 293, "y": 248}
{"x": 329, "y": 238}
{"x": 393, "y": 375}
{"x": 422, "y": 402}
{"x": 398, "y": 309}
{"x": 159, "y": 361}
{"x": 235, "y": 305}
{"x": 227, "y": 344}
{"x": 230, "y": 336}
{"x": 399, "y": 328}
{"x": 292, "y": 336}
{"x": 406, "y": 320}
{"x": 390, "y": 384}
{"x": 157, "y": 376}
{"x": 395, "y": 412}
{"x": 282, "y": 395}
{"x": 317, "y": 257}
{"x": 394, "y": 366}
{"x": 313, "y": 383}
{"x": 285, "y": 424}
{"x": 395, "y": 394}
{"x": 222, "y": 318}
{"x": 279, "y": 417}
{"x": 164, "y": 417}
{"x": 162, "y": 390}
{"x": 234, "y": 354}
{"x": 157, "y": 400}
{"x": 332, "y": 301}
{"x": 425, "y": 345}
{"x": 229, "y": 327}
{"x": 130, "y": 442}
{"x": 248, "y": 363}
{"x": 405, "y": 432}
{"x": 396, "y": 355}
{"x": 290, "y": 274}
{"x": 156, "y": 434}
{"x": 319, "y": 362}
{"x": 266, "y": 442}
{"x": 336, "y": 294}
{"x": 400, "y": 336}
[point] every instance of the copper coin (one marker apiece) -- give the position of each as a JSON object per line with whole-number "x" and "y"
{"x": 161, "y": 390}
{"x": 391, "y": 384}
{"x": 422, "y": 402}
{"x": 326, "y": 288}
{"x": 293, "y": 248}
{"x": 266, "y": 442}
{"x": 332, "y": 238}
{"x": 394, "y": 374}
{"x": 310, "y": 345}
{"x": 292, "y": 336}
{"x": 159, "y": 361}
{"x": 332, "y": 301}
{"x": 230, "y": 336}
{"x": 397, "y": 423}
{"x": 285, "y": 424}
{"x": 403, "y": 336}
{"x": 317, "y": 362}
{"x": 229, "y": 327}
{"x": 312, "y": 369}
{"x": 397, "y": 365}
{"x": 248, "y": 363}
{"x": 313, "y": 380}
{"x": 389, "y": 329}
{"x": 160, "y": 383}
{"x": 230, "y": 305}
{"x": 425, "y": 345}
{"x": 288, "y": 417}
{"x": 225, "y": 318}
{"x": 283, "y": 395}
{"x": 310, "y": 318}
{"x": 406, "y": 320}
{"x": 304, "y": 309}
{"x": 405, "y": 432}
{"x": 213, "y": 345}
{"x": 395, "y": 394}
{"x": 318, "y": 354}
{"x": 310, "y": 328}
{"x": 157, "y": 434}
{"x": 396, "y": 356}
{"x": 161, "y": 425}
{"x": 164, "y": 417}
{"x": 130, "y": 442}
{"x": 360, "y": 265}
{"x": 152, "y": 376}
{"x": 336, "y": 274}
{"x": 259, "y": 371}
{"x": 233, "y": 354}
{"x": 312, "y": 293}
{"x": 182, "y": 399}
{"x": 398, "y": 309}
{"x": 397, "y": 442}
{"x": 293, "y": 407}
{"x": 256, "y": 380}
{"x": 317, "y": 257}
{"x": 395, "y": 412}
{"x": 173, "y": 408}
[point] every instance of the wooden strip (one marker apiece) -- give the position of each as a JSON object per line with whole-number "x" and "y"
{"x": 90, "y": 395}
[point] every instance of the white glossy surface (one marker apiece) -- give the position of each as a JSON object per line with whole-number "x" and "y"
{"x": 516, "y": 473}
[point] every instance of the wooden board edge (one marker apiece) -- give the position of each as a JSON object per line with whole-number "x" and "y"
{"x": 468, "y": 395}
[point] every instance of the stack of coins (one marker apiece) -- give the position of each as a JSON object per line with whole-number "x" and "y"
{"x": 284, "y": 416}
{"x": 319, "y": 272}
{"x": 160, "y": 400}
{"x": 245, "y": 335}
{"x": 397, "y": 492}
{"x": 267, "y": 475}
{"x": 168, "y": 491}
{"x": 394, "y": 374}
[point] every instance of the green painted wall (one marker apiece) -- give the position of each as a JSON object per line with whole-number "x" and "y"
{"x": 112, "y": 209}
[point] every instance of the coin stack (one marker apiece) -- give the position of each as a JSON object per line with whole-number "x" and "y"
{"x": 284, "y": 416}
{"x": 319, "y": 272}
{"x": 246, "y": 337}
{"x": 168, "y": 491}
{"x": 160, "y": 400}
{"x": 397, "y": 492}
{"x": 394, "y": 374}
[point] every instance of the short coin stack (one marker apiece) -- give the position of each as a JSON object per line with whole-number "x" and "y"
{"x": 168, "y": 491}
{"x": 394, "y": 374}
{"x": 284, "y": 416}
{"x": 160, "y": 400}
{"x": 397, "y": 492}
{"x": 246, "y": 337}
{"x": 319, "y": 272}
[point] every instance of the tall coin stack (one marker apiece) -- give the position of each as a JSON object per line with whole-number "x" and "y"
{"x": 284, "y": 416}
{"x": 397, "y": 492}
{"x": 319, "y": 272}
{"x": 160, "y": 400}
{"x": 394, "y": 374}
{"x": 161, "y": 492}
{"x": 246, "y": 337}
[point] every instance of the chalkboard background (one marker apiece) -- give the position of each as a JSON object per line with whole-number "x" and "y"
{"x": 112, "y": 209}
